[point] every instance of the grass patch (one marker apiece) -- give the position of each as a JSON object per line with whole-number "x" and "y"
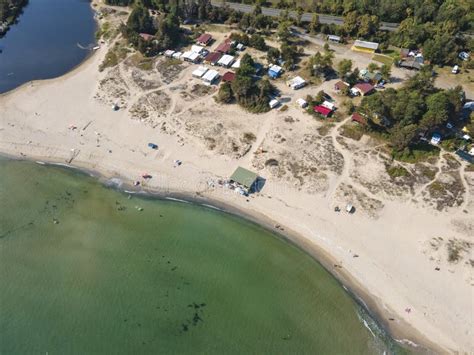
{"x": 172, "y": 62}
{"x": 325, "y": 128}
{"x": 451, "y": 144}
{"x": 437, "y": 188}
{"x": 110, "y": 60}
{"x": 284, "y": 108}
{"x": 427, "y": 171}
{"x": 141, "y": 62}
{"x": 105, "y": 31}
{"x": 417, "y": 153}
{"x": 114, "y": 56}
{"x": 397, "y": 171}
{"x": 351, "y": 131}
{"x": 383, "y": 59}
{"x": 249, "y": 137}
{"x": 469, "y": 168}
{"x": 392, "y": 53}
{"x": 456, "y": 249}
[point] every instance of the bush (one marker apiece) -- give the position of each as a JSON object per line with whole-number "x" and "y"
{"x": 397, "y": 171}
{"x": 416, "y": 153}
{"x": 225, "y": 94}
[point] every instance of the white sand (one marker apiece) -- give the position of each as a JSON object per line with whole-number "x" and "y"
{"x": 393, "y": 266}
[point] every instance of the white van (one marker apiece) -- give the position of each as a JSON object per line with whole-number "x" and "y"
{"x": 455, "y": 69}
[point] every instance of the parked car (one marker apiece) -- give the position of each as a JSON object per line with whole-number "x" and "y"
{"x": 274, "y": 103}
{"x": 435, "y": 138}
{"x": 455, "y": 69}
{"x": 152, "y": 146}
{"x": 463, "y": 56}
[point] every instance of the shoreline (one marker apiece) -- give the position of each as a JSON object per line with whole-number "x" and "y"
{"x": 72, "y": 70}
{"x": 362, "y": 297}
{"x": 384, "y": 281}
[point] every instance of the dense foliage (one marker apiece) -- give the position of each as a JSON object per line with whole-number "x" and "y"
{"x": 9, "y": 10}
{"x": 249, "y": 93}
{"x": 164, "y": 27}
{"x": 417, "y": 107}
{"x": 436, "y": 26}
{"x": 119, "y": 2}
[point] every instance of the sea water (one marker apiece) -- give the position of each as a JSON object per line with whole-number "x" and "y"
{"x": 86, "y": 269}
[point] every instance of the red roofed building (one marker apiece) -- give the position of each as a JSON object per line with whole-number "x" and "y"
{"x": 224, "y": 47}
{"x": 356, "y": 117}
{"x": 213, "y": 58}
{"x": 204, "y": 39}
{"x": 146, "y": 36}
{"x": 363, "y": 88}
{"x": 326, "y": 112}
{"x": 229, "y": 76}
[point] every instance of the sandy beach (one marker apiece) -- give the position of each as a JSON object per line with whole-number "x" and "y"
{"x": 392, "y": 252}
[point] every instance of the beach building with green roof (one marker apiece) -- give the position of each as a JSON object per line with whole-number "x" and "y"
{"x": 244, "y": 177}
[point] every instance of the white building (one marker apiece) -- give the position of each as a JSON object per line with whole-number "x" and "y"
{"x": 199, "y": 72}
{"x": 296, "y": 83}
{"x": 365, "y": 46}
{"x": 196, "y": 49}
{"x": 275, "y": 71}
{"x": 210, "y": 76}
{"x": 226, "y": 60}
{"x": 236, "y": 64}
{"x": 301, "y": 103}
{"x": 190, "y": 56}
{"x": 329, "y": 105}
{"x": 333, "y": 38}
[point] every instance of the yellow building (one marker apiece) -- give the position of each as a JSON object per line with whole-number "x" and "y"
{"x": 364, "y": 46}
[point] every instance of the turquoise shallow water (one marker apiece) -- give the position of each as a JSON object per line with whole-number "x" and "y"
{"x": 173, "y": 278}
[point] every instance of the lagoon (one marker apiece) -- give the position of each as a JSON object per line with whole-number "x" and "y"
{"x": 51, "y": 38}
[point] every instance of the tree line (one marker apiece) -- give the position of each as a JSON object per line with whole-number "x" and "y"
{"x": 9, "y": 11}
{"x": 417, "y": 108}
{"x": 432, "y": 25}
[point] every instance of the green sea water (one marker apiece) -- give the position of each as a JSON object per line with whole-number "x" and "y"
{"x": 84, "y": 271}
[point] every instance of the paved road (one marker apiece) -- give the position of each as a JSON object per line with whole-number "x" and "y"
{"x": 325, "y": 19}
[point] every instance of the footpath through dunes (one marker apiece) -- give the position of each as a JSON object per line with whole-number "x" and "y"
{"x": 389, "y": 250}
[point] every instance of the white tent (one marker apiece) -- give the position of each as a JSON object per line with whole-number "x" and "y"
{"x": 296, "y": 83}
{"x": 329, "y": 105}
{"x": 236, "y": 64}
{"x": 196, "y": 49}
{"x": 226, "y": 60}
{"x": 190, "y": 56}
{"x": 301, "y": 103}
{"x": 199, "y": 72}
{"x": 210, "y": 76}
{"x": 367, "y": 45}
{"x": 469, "y": 106}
